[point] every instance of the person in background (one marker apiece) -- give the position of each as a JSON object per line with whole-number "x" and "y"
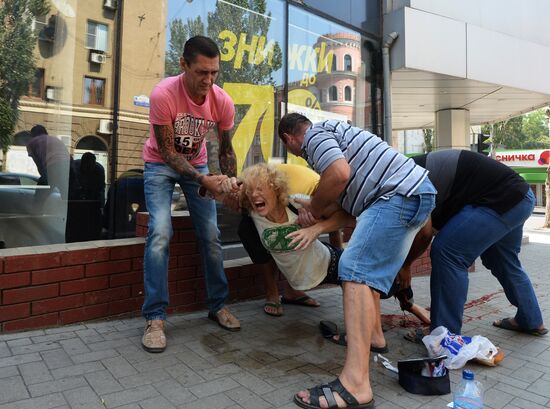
{"x": 87, "y": 197}
{"x": 91, "y": 177}
{"x": 480, "y": 210}
{"x": 182, "y": 111}
{"x": 52, "y": 161}
{"x": 391, "y": 198}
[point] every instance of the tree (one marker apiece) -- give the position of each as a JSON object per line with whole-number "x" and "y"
{"x": 535, "y": 130}
{"x": 179, "y": 33}
{"x": 528, "y": 131}
{"x": 506, "y": 133}
{"x": 17, "y": 69}
{"x": 428, "y": 140}
{"x": 238, "y": 20}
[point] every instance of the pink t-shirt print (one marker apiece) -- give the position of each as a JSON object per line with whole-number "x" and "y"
{"x": 171, "y": 105}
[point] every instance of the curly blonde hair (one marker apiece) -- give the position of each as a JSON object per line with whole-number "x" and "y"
{"x": 264, "y": 174}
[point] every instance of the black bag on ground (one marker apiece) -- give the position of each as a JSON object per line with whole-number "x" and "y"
{"x": 412, "y": 380}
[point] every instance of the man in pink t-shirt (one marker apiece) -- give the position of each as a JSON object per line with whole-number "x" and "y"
{"x": 183, "y": 110}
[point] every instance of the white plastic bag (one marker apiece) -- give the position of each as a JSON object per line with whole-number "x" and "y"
{"x": 458, "y": 348}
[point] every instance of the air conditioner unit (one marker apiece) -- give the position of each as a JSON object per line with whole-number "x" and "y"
{"x": 109, "y": 4}
{"x": 105, "y": 126}
{"x": 98, "y": 58}
{"x": 52, "y": 93}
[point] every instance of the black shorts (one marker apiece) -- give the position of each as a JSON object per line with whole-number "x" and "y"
{"x": 332, "y": 270}
{"x": 251, "y": 240}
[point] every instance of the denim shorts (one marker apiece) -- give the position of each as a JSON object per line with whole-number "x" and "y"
{"x": 382, "y": 237}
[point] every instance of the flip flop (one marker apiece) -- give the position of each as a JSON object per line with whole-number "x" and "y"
{"x": 275, "y": 305}
{"x": 415, "y": 336}
{"x": 506, "y": 323}
{"x": 303, "y": 300}
{"x": 327, "y": 391}
{"x": 329, "y": 330}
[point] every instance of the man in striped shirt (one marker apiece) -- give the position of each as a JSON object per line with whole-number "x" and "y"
{"x": 392, "y": 198}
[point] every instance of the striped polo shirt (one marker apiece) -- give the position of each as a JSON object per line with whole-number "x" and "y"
{"x": 377, "y": 170}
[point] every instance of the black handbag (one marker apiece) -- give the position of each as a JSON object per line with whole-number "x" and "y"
{"x": 412, "y": 380}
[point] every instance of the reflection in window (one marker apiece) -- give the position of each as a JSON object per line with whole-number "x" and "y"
{"x": 347, "y": 93}
{"x": 96, "y": 36}
{"x": 333, "y": 69}
{"x": 38, "y": 23}
{"x": 333, "y": 93}
{"x": 94, "y": 90}
{"x": 36, "y": 87}
{"x": 347, "y": 62}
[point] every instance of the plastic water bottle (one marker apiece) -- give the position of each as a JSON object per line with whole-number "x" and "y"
{"x": 469, "y": 394}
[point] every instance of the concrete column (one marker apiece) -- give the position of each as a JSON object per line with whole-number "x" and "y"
{"x": 452, "y": 129}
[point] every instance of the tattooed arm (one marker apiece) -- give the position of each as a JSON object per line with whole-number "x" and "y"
{"x": 228, "y": 162}
{"x": 227, "y": 157}
{"x": 164, "y": 135}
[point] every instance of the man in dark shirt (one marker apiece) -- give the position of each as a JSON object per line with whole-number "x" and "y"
{"x": 52, "y": 161}
{"x": 481, "y": 207}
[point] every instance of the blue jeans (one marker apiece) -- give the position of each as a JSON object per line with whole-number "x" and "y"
{"x": 382, "y": 237}
{"x": 159, "y": 185}
{"x": 480, "y": 231}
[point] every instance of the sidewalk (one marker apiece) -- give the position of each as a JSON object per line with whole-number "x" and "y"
{"x": 101, "y": 365}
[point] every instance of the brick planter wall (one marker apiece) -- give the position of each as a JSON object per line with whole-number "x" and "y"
{"x": 62, "y": 284}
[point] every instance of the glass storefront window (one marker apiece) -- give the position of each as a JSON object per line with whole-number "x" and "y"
{"x": 70, "y": 56}
{"x": 325, "y": 57}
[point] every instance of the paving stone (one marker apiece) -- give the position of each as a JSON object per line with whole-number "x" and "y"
{"x": 110, "y": 344}
{"x": 59, "y": 385}
{"x": 253, "y": 382}
{"x": 184, "y": 375}
{"x": 213, "y": 387}
{"x": 35, "y": 372}
{"x": 219, "y": 401}
{"x": 29, "y": 349}
{"x": 540, "y": 387}
{"x": 74, "y": 346}
{"x": 76, "y": 370}
{"x": 94, "y": 356}
{"x": 12, "y": 389}
{"x": 144, "y": 378}
{"x": 17, "y": 335}
{"x": 158, "y": 402}
{"x": 51, "y": 401}
{"x": 19, "y": 359}
{"x": 56, "y": 358}
{"x": 19, "y": 342}
{"x": 119, "y": 367}
{"x": 9, "y": 371}
{"x": 246, "y": 398}
{"x": 174, "y": 392}
{"x": 67, "y": 328}
{"x": 82, "y": 396}
{"x": 89, "y": 336}
{"x": 53, "y": 337}
{"x": 128, "y": 396}
{"x": 103, "y": 382}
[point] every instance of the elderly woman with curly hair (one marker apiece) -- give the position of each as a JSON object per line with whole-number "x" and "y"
{"x": 304, "y": 260}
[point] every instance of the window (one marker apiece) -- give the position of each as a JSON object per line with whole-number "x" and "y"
{"x": 94, "y": 91}
{"x": 96, "y": 36}
{"x": 347, "y": 93}
{"x": 347, "y": 62}
{"x": 333, "y": 68}
{"x": 38, "y": 23}
{"x": 333, "y": 93}
{"x": 36, "y": 87}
